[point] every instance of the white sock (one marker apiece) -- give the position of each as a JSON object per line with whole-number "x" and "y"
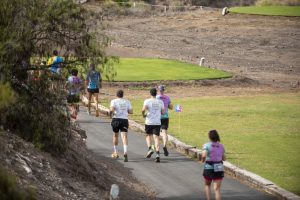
{"x": 115, "y": 149}
{"x": 125, "y": 149}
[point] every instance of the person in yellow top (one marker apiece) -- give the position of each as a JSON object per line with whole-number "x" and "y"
{"x": 55, "y": 63}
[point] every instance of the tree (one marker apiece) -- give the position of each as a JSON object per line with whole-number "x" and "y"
{"x": 33, "y": 29}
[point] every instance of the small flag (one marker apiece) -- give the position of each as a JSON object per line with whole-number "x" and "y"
{"x": 178, "y": 108}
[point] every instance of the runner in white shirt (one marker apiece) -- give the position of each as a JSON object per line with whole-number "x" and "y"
{"x": 119, "y": 110}
{"x": 152, "y": 110}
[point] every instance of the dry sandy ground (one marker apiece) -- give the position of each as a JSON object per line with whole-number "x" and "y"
{"x": 262, "y": 48}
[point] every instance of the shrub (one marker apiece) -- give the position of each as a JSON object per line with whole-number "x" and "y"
{"x": 10, "y": 191}
{"x": 32, "y": 29}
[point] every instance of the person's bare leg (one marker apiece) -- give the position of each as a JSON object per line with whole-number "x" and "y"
{"x": 157, "y": 146}
{"x": 125, "y": 141}
{"x": 115, "y": 144}
{"x": 89, "y": 102}
{"x": 157, "y": 142}
{"x": 207, "y": 189}
{"x": 217, "y": 189}
{"x": 96, "y": 102}
{"x": 74, "y": 110}
{"x": 125, "y": 145}
{"x": 148, "y": 140}
{"x": 115, "y": 139}
{"x": 164, "y": 135}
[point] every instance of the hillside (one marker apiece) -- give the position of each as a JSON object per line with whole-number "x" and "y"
{"x": 77, "y": 174}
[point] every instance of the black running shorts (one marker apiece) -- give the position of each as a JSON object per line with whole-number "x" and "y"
{"x": 118, "y": 124}
{"x": 209, "y": 175}
{"x": 96, "y": 90}
{"x": 74, "y": 98}
{"x": 152, "y": 129}
{"x": 165, "y": 123}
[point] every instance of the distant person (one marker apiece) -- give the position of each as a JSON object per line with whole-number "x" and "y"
{"x": 165, "y": 117}
{"x": 152, "y": 110}
{"x": 93, "y": 83}
{"x": 213, "y": 155}
{"x": 55, "y": 62}
{"x": 74, "y": 85}
{"x": 119, "y": 110}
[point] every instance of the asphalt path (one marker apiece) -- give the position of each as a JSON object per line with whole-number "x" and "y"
{"x": 175, "y": 177}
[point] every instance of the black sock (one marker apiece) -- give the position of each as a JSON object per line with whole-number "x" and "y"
{"x": 149, "y": 148}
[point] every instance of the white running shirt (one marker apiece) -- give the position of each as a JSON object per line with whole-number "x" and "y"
{"x": 121, "y": 107}
{"x": 154, "y": 111}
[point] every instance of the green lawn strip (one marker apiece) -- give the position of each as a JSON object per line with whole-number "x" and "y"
{"x": 260, "y": 133}
{"x": 291, "y": 11}
{"x": 151, "y": 69}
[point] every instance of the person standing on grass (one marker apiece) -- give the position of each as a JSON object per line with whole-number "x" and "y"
{"x": 165, "y": 117}
{"x": 119, "y": 110}
{"x": 152, "y": 110}
{"x": 93, "y": 83}
{"x": 213, "y": 154}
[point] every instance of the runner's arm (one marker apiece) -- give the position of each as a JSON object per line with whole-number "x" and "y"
{"x": 130, "y": 110}
{"x": 224, "y": 157}
{"x": 203, "y": 155}
{"x": 111, "y": 110}
{"x": 170, "y": 106}
{"x": 144, "y": 109}
{"x": 162, "y": 108}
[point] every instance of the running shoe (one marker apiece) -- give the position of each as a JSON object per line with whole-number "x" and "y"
{"x": 114, "y": 155}
{"x": 125, "y": 158}
{"x": 157, "y": 159}
{"x": 149, "y": 153}
{"x": 166, "y": 153}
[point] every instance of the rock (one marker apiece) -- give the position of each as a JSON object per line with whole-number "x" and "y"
{"x": 114, "y": 192}
{"x": 224, "y": 11}
{"x": 8, "y": 161}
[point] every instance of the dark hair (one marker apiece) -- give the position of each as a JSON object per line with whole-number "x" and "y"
{"x": 120, "y": 93}
{"x": 92, "y": 66}
{"x": 74, "y": 72}
{"x": 55, "y": 52}
{"x": 153, "y": 92}
{"x": 214, "y": 136}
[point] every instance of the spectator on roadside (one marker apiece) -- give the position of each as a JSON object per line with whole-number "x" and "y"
{"x": 119, "y": 110}
{"x": 152, "y": 110}
{"x": 165, "y": 117}
{"x": 213, "y": 154}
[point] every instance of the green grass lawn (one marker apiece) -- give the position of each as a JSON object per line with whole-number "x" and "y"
{"x": 148, "y": 69}
{"x": 268, "y": 10}
{"x": 260, "y": 133}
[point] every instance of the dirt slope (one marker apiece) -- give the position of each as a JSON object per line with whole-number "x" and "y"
{"x": 74, "y": 175}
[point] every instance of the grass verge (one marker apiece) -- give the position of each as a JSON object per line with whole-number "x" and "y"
{"x": 152, "y": 69}
{"x": 260, "y": 133}
{"x": 290, "y": 11}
